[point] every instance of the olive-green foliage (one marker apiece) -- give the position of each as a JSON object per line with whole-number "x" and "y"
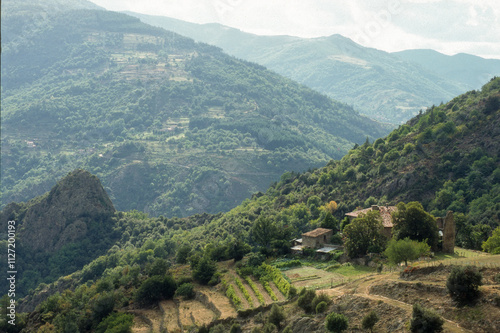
{"x": 405, "y": 249}
{"x": 116, "y": 323}
{"x": 269, "y": 328}
{"x": 463, "y": 284}
{"x": 235, "y": 328}
{"x": 218, "y": 329}
{"x": 364, "y": 235}
{"x": 204, "y": 270}
{"x": 305, "y": 300}
{"x": 336, "y": 322}
{"x": 182, "y": 254}
{"x": 321, "y": 307}
{"x": 320, "y": 298}
{"x": 425, "y": 320}
{"x": 155, "y": 289}
{"x": 276, "y": 315}
{"x": 370, "y": 320}
{"x": 186, "y": 290}
{"x": 492, "y": 244}
{"x": 412, "y": 221}
{"x": 159, "y": 267}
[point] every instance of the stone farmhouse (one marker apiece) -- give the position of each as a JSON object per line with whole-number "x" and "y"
{"x": 445, "y": 225}
{"x": 385, "y": 213}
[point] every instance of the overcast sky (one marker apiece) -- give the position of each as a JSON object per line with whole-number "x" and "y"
{"x": 448, "y": 26}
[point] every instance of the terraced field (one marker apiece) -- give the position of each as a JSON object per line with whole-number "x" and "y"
{"x": 210, "y": 304}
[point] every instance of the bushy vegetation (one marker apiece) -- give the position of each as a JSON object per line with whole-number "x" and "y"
{"x": 364, "y": 235}
{"x": 336, "y": 322}
{"x": 463, "y": 284}
{"x": 425, "y": 321}
{"x": 405, "y": 249}
{"x": 370, "y": 320}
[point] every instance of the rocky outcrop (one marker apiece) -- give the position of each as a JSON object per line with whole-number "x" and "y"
{"x": 63, "y": 215}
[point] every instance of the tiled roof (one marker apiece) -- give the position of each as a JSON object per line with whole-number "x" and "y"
{"x": 385, "y": 213}
{"x": 316, "y": 232}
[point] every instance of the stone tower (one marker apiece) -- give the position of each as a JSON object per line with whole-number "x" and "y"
{"x": 449, "y": 233}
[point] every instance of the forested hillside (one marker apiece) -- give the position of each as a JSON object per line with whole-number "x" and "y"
{"x": 170, "y": 126}
{"x": 446, "y": 158}
{"x": 389, "y": 87}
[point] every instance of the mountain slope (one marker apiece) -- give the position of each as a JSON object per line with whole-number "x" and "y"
{"x": 376, "y": 83}
{"x": 61, "y": 231}
{"x": 170, "y": 126}
{"x": 470, "y": 70}
{"x": 446, "y": 158}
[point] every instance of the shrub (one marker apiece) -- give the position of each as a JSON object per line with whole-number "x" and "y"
{"x": 370, "y": 320}
{"x": 235, "y": 328}
{"x": 425, "y": 321}
{"x": 322, "y": 297}
{"x": 116, "y": 322}
{"x": 305, "y": 300}
{"x": 292, "y": 292}
{"x": 256, "y": 259}
{"x": 463, "y": 284}
{"x": 156, "y": 288}
{"x": 336, "y": 322}
{"x": 321, "y": 307}
{"x": 276, "y": 315}
{"x": 186, "y": 290}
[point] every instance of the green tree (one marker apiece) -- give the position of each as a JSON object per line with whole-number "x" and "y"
{"x": 411, "y": 220}
{"x": 204, "y": 270}
{"x": 276, "y": 315}
{"x": 370, "y": 320}
{"x": 363, "y": 234}
{"x": 330, "y": 222}
{"x": 425, "y": 320}
{"x": 237, "y": 249}
{"x": 182, "y": 254}
{"x": 263, "y": 231}
{"x": 492, "y": 244}
{"x": 116, "y": 323}
{"x": 463, "y": 284}
{"x": 405, "y": 249}
{"x": 155, "y": 289}
{"x": 336, "y": 322}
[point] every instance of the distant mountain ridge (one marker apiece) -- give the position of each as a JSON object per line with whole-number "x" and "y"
{"x": 468, "y": 69}
{"x": 381, "y": 85}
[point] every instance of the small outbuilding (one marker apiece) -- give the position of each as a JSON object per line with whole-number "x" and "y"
{"x": 316, "y": 238}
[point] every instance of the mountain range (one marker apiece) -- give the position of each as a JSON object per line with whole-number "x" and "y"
{"x": 171, "y": 127}
{"x": 391, "y": 87}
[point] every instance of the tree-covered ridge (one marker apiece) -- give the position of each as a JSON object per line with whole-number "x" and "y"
{"x": 446, "y": 158}
{"x": 194, "y": 129}
{"x": 388, "y": 87}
